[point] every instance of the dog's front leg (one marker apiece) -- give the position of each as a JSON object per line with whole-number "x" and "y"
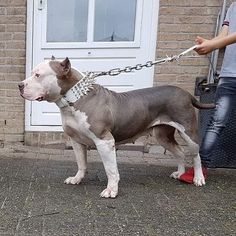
{"x": 198, "y": 179}
{"x": 81, "y": 158}
{"x": 106, "y": 149}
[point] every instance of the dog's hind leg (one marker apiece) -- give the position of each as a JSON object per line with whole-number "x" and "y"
{"x": 193, "y": 147}
{"x": 81, "y": 159}
{"x": 165, "y": 136}
{"x": 107, "y": 152}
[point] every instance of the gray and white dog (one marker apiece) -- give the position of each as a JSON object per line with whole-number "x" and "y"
{"x": 102, "y": 118}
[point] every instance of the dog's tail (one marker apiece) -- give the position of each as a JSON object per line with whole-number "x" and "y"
{"x": 200, "y": 105}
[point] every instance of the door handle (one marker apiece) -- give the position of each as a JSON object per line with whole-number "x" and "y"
{"x": 40, "y": 5}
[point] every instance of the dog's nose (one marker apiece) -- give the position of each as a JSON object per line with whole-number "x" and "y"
{"x": 21, "y": 86}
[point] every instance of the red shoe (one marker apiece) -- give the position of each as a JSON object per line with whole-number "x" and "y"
{"x": 188, "y": 176}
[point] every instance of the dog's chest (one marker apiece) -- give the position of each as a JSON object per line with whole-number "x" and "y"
{"x": 75, "y": 124}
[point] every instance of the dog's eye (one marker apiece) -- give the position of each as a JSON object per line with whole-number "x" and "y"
{"x": 37, "y": 75}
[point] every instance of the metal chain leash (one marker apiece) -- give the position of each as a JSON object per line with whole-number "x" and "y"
{"x": 128, "y": 69}
{"x": 86, "y": 83}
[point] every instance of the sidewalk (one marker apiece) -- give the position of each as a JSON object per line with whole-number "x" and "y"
{"x": 34, "y": 200}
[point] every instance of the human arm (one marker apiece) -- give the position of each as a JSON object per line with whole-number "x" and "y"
{"x": 223, "y": 39}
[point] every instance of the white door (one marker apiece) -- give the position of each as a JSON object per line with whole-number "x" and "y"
{"x": 96, "y": 35}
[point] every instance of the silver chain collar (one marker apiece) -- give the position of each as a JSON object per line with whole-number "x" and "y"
{"x": 77, "y": 91}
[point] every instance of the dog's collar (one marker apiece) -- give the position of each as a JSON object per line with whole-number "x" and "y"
{"x": 77, "y": 91}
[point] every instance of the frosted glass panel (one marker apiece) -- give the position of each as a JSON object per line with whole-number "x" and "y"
{"x": 67, "y": 20}
{"x": 114, "y": 20}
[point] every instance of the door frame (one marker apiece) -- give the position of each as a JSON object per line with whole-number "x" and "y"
{"x": 29, "y": 58}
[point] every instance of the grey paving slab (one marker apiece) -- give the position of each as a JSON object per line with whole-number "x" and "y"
{"x": 34, "y": 201}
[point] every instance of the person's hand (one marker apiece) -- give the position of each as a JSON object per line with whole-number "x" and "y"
{"x": 205, "y": 46}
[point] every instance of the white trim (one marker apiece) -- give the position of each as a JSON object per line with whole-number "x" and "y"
{"x": 39, "y": 128}
{"x": 94, "y": 45}
{"x": 155, "y": 23}
{"x": 153, "y": 36}
{"x": 91, "y": 11}
{"x": 29, "y": 57}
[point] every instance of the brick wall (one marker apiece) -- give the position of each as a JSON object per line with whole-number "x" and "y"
{"x": 12, "y": 68}
{"x": 179, "y": 24}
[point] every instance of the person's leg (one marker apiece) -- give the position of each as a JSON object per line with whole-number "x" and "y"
{"x": 218, "y": 121}
{"x": 225, "y": 101}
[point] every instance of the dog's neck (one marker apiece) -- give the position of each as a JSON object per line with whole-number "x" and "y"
{"x": 80, "y": 84}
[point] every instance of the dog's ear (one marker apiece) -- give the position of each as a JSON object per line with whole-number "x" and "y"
{"x": 66, "y": 65}
{"x": 53, "y": 58}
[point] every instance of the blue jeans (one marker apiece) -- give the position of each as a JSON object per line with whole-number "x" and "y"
{"x": 225, "y": 100}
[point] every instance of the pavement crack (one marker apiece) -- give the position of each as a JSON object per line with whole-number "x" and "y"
{"x": 40, "y": 215}
{"x": 2, "y": 206}
{"x": 135, "y": 209}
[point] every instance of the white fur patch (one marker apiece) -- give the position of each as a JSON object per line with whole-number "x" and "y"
{"x": 42, "y": 83}
{"x": 75, "y": 124}
{"x": 44, "y": 69}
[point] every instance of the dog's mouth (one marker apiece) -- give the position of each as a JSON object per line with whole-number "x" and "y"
{"x": 25, "y": 96}
{"x": 40, "y": 99}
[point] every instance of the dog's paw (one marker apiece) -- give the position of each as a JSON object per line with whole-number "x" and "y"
{"x": 73, "y": 180}
{"x": 108, "y": 193}
{"x": 199, "y": 181}
{"x": 176, "y": 174}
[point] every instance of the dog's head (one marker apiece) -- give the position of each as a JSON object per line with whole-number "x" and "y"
{"x": 49, "y": 81}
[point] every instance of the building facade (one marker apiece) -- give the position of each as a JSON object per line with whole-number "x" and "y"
{"x": 161, "y": 28}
